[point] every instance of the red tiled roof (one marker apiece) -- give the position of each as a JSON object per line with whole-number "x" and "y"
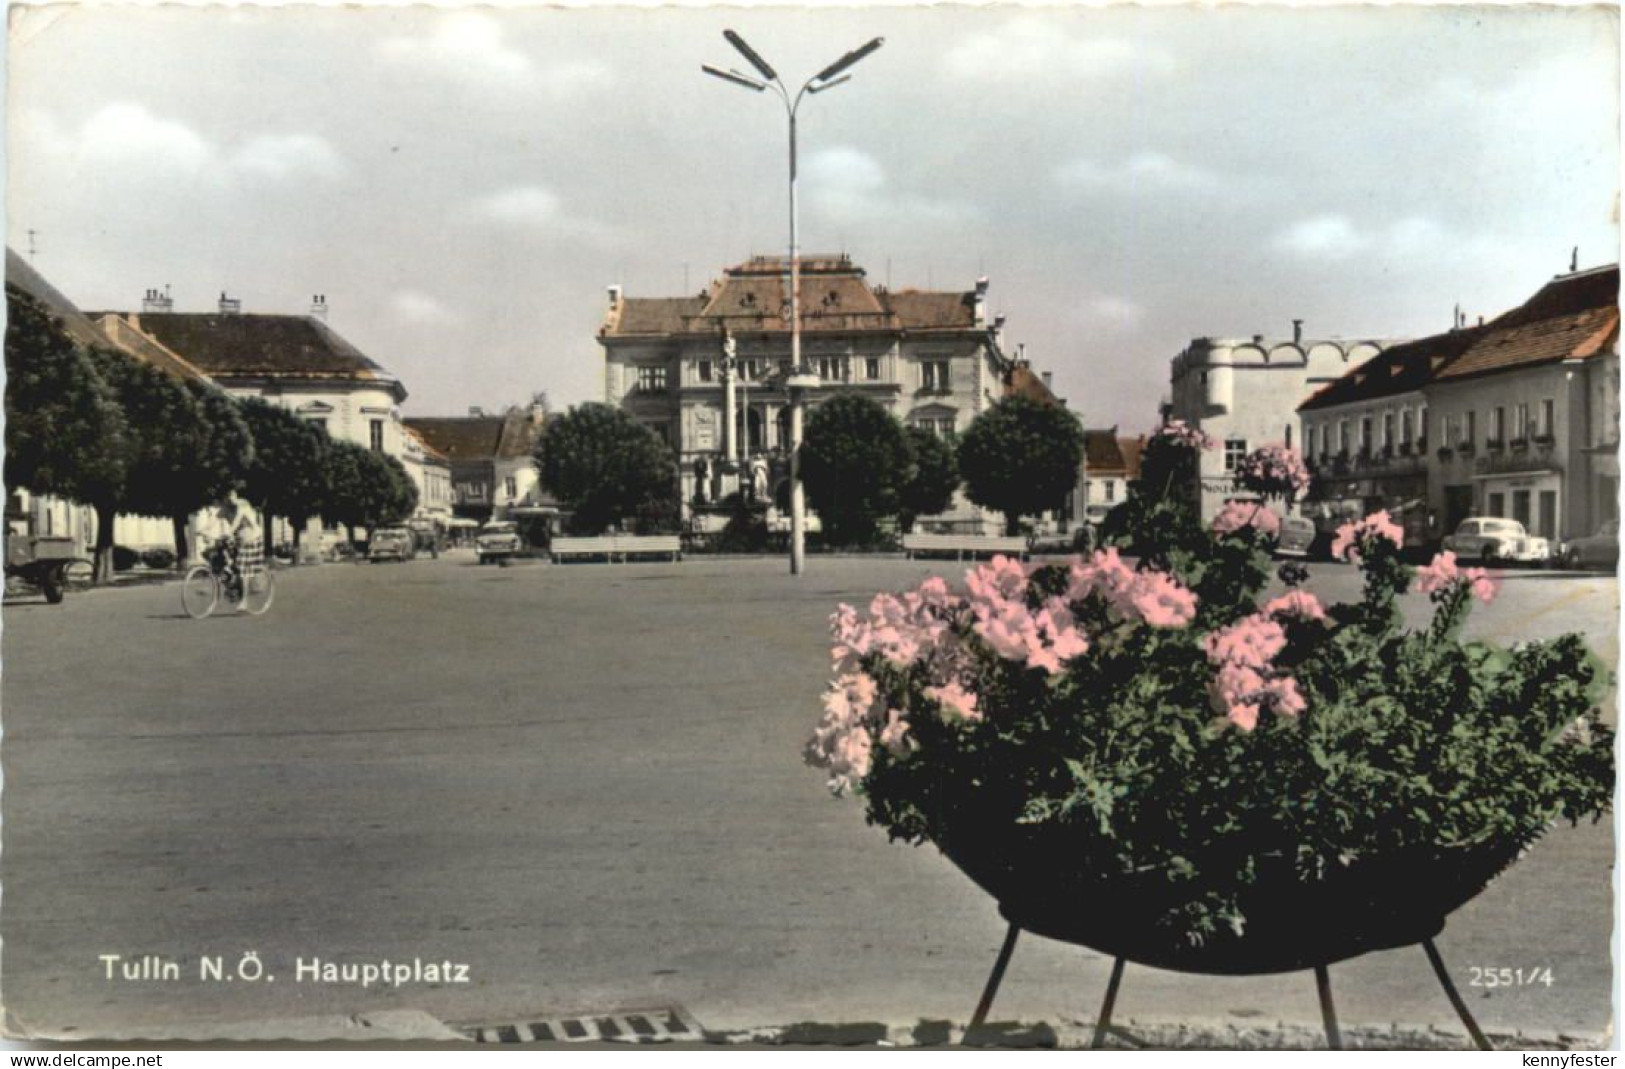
{"x": 1398, "y": 369}
{"x": 1103, "y": 453}
{"x": 1131, "y": 448}
{"x": 503, "y": 437}
{"x": 1573, "y": 317}
{"x": 753, "y": 297}
{"x": 262, "y": 346}
{"x": 1022, "y": 381}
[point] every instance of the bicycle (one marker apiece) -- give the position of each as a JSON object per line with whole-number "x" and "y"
{"x": 241, "y": 578}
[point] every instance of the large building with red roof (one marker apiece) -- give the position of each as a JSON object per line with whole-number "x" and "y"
{"x": 1517, "y": 418}
{"x": 705, "y": 372}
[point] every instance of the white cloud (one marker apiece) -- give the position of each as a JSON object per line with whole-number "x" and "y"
{"x": 1145, "y": 172}
{"x": 421, "y": 309}
{"x": 119, "y": 132}
{"x": 1114, "y": 310}
{"x": 1030, "y": 48}
{"x": 282, "y": 156}
{"x": 471, "y": 46}
{"x": 1413, "y": 239}
{"x": 527, "y": 206}
{"x": 851, "y": 186}
{"x": 1326, "y": 237}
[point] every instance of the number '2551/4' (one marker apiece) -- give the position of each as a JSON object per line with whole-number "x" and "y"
{"x": 1506, "y": 977}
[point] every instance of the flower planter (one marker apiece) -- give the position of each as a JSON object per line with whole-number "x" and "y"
{"x": 1292, "y": 923}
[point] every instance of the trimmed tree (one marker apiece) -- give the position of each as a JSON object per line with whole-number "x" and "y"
{"x": 65, "y": 434}
{"x": 855, "y": 462}
{"x": 288, "y": 475}
{"x": 607, "y": 468}
{"x": 935, "y": 476}
{"x": 366, "y": 488}
{"x": 162, "y": 421}
{"x": 1021, "y": 458}
{"x": 222, "y": 455}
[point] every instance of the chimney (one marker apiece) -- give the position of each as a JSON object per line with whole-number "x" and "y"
{"x": 1258, "y": 339}
{"x": 1574, "y": 260}
{"x": 155, "y": 301}
{"x": 1297, "y": 331}
{"x": 1049, "y": 381}
{"x": 538, "y": 407}
{"x": 615, "y": 296}
{"x": 230, "y": 306}
{"x": 476, "y": 411}
{"x": 980, "y": 307}
{"x": 318, "y": 307}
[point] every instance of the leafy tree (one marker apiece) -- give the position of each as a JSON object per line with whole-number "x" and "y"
{"x": 935, "y": 477}
{"x": 223, "y": 451}
{"x": 855, "y": 463}
{"x": 65, "y": 434}
{"x": 607, "y": 468}
{"x": 366, "y": 488}
{"x": 1021, "y": 458}
{"x": 288, "y": 475}
{"x": 161, "y": 428}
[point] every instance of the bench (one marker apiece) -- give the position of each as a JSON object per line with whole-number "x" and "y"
{"x": 611, "y": 546}
{"x": 961, "y": 544}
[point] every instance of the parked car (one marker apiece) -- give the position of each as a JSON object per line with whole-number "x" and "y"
{"x": 1297, "y": 537}
{"x": 391, "y": 543}
{"x": 1600, "y": 550}
{"x": 497, "y": 541}
{"x": 1491, "y": 539}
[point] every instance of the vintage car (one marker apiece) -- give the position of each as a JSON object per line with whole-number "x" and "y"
{"x": 46, "y": 564}
{"x": 391, "y": 543}
{"x": 1491, "y": 539}
{"x": 1600, "y": 550}
{"x": 498, "y": 541}
{"x": 1297, "y": 537}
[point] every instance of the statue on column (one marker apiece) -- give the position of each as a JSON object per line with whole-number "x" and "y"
{"x": 758, "y": 478}
{"x": 702, "y": 480}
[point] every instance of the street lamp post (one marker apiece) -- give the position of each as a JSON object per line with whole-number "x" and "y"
{"x": 800, "y": 379}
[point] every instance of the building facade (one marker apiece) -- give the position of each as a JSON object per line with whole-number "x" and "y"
{"x": 1528, "y": 415}
{"x": 490, "y": 458}
{"x": 1245, "y": 393}
{"x": 706, "y": 372}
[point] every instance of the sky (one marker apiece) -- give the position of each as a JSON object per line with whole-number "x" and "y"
{"x": 464, "y": 184}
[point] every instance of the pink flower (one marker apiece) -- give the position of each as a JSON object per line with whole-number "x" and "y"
{"x": 1285, "y": 698}
{"x": 1243, "y": 714}
{"x": 1299, "y": 603}
{"x": 1181, "y": 433}
{"x": 1162, "y": 602}
{"x": 1484, "y": 585}
{"x": 841, "y": 742}
{"x": 1441, "y": 574}
{"x": 1273, "y": 470}
{"x": 894, "y": 736}
{"x": 1357, "y": 537}
{"x": 1152, "y": 597}
{"x": 1238, "y": 516}
{"x": 955, "y": 700}
{"x": 1252, "y": 641}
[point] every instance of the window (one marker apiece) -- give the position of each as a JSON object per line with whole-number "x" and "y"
{"x": 512, "y": 486}
{"x": 704, "y": 373}
{"x": 1405, "y": 427}
{"x": 377, "y": 427}
{"x": 1547, "y": 418}
{"x": 1111, "y": 490}
{"x": 1498, "y": 425}
{"x": 317, "y": 421}
{"x": 1388, "y": 431}
{"x": 1520, "y": 422}
{"x": 1325, "y": 434}
{"x": 934, "y": 375}
{"x": 832, "y": 368}
{"x": 652, "y": 379}
{"x": 1472, "y": 429}
{"x": 1422, "y": 427}
{"x": 750, "y": 370}
{"x": 940, "y": 426}
{"x": 871, "y": 368}
{"x": 1343, "y": 436}
{"x": 1289, "y": 436}
{"x": 1365, "y": 434}
{"x": 1234, "y": 450}
{"x": 1498, "y": 504}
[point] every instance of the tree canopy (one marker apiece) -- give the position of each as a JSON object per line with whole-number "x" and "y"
{"x": 1021, "y": 458}
{"x": 933, "y": 478}
{"x": 366, "y": 488}
{"x": 65, "y": 433}
{"x": 288, "y": 475}
{"x": 855, "y": 463}
{"x": 607, "y": 468}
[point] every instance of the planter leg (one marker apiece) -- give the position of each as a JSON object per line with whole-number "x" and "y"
{"x": 1479, "y": 1038}
{"x": 1104, "y": 1023}
{"x": 993, "y": 980}
{"x": 1328, "y": 1012}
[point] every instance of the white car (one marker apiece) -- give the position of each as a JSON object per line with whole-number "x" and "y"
{"x": 1490, "y": 539}
{"x": 497, "y": 541}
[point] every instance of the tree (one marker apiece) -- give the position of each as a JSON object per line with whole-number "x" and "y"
{"x": 855, "y": 463}
{"x": 287, "y": 476}
{"x": 607, "y": 468}
{"x": 366, "y": 488}
{"x": 161, "y": 420}
{"x": 935, "y": 477}
{"x": 1021, "y": 458}
{"x": 65, "y": 434}
{"x": 223, "y": 454}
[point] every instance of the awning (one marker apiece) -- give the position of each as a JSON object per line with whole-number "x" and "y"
{"x": 460, "y": 521}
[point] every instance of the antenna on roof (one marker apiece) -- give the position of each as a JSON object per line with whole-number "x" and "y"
{"x": 1574, "y": 259}
{"x": 33, "y": 249}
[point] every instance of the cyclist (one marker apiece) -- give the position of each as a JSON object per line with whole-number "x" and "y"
{"x": 236, "y": 545}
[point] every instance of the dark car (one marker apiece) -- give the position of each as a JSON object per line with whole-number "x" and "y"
{"x": 1600, "y": 550}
